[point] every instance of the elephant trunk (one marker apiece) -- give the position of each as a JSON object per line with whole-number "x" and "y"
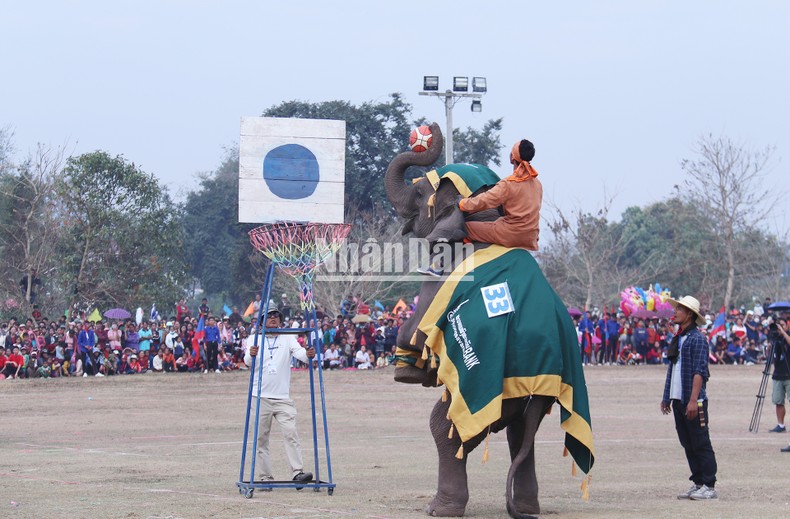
{"x": 398, "y": 193}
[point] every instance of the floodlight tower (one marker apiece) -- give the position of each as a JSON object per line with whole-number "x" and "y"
{"x": 430, "y": 87}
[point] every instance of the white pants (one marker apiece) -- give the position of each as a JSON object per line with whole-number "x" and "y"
{"x": 284, "y": 412}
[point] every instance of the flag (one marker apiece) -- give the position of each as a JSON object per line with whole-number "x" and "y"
{"x": 250, "y": 309}
{"x": 399, "y": 307}
{"x": 719, "y": 324}
{"x": 95, "y": 316}
{"x": 227, "y": 310}
{"x": 200, "y": 334}
{"x": 154, "y": 313}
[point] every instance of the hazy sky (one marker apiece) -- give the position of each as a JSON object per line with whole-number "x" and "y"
{"x": 613, "y": 93}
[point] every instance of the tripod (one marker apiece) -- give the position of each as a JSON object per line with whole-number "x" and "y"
{"x": 758, "y": 405}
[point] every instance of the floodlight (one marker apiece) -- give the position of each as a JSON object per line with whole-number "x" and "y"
{"x": 461, "y": 84}
{"x": 479, "y": 84}
{"x": 477, "y": 106}
{"x": 430, "y": 83}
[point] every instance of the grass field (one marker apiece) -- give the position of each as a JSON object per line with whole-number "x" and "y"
{"x": 169, "y": 446}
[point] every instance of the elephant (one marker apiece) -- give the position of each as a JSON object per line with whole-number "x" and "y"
{"x": 429, "y": 207}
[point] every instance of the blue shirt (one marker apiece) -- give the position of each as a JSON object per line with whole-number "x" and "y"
{"x": 640, "y": 336}
{"x": 212, "y": 333}
{"x": 693, "y": 361}
{"x": 144, "y": 337}
{"x": 86, "y": 340}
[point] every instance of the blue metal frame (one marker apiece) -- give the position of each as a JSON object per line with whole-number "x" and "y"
{"x": 313, "y": 339}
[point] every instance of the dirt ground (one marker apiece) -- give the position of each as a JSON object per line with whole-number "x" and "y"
{"x": 169, "y": 446}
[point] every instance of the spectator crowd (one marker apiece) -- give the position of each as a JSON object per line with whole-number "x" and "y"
{"x": 43, "y": 348}
{"x": 739, "y": 336}
{"x": 359, "y": 337}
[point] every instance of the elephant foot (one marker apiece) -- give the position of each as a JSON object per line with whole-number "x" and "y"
{"x": 411, "y": 375}
{"x": 524, "y": 510}
{"x": 440, "y": 508}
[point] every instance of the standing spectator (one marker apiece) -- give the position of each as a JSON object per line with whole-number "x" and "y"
{"x": 285, "y": 306}
{"x": 203, "y": 308}
{"x": 390, "y": 335}
{"x": 778, "y": 347}
{"x": 144, "y": 336}
{"x": 275, "y": 402}
{"x": 114, "y": 337}
{"x": 234, "y": 318}
{"x": 212, "y": 345}
{"x": 170, "y": 338}
{"x": 178, "y": 348}
{"x": 379, "y": 342}
{"x": 640, "y": 338}
{"x": 182, "y": 311}
{"x": 738, "y": 329}
{"x": 86, "y": 340}
{"x": 132, "y": 338}
{"x": 684, "y": 396}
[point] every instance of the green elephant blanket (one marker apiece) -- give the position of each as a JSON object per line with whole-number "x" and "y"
{"x": 500, "y": 331}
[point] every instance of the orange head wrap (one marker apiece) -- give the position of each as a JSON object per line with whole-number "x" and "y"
{"x": 524, "y": 170}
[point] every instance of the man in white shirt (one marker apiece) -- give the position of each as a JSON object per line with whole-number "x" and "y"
{"x": 362, "y": 358}
{"x": 331, "y": 357}
{"x": 273, "y": 391}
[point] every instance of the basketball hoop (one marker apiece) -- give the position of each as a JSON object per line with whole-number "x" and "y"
{"x": 298, "y": 249}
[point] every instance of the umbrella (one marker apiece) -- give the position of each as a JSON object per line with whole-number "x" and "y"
{"x": 574, "y": 312}
{"x": 361, "y": 318}
{"x": 117, "y": 313}
{"x": 779, "y": 305}
{"x": 95, "y": 316}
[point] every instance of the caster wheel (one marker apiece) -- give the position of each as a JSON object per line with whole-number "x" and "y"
{"x": 248, "y": 493}
{"x": 241, "y": 490}
{"x": 330, "y": 491}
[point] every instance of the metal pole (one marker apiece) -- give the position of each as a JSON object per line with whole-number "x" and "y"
{"x": 450, "y": 98}
{"x": 448, "y": 138}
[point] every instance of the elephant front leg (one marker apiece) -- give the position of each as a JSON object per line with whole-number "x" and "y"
{"x": 452, "y": 493}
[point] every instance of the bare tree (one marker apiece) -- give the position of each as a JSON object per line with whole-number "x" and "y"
{"x": 581, "y": 260}
{"x": 727, "y": 180}
{"x": 28, "y": 232}
{"x": 372, "y": 261}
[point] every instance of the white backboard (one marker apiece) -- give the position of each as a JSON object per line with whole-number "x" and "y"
{"x": 291, "y": 170}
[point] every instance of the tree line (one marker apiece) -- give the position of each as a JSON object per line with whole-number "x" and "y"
{"x": 100, "y": 231}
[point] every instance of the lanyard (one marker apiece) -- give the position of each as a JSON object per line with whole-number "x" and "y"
{"x": 271, "y": 346}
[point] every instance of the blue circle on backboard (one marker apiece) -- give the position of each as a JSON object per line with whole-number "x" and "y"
{"x": 291, "y": 171}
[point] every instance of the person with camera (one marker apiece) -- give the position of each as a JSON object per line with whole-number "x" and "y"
{"x": 275, "y": 400}
{"x": 685, "y": 397}
{"x": 778, "y": 341}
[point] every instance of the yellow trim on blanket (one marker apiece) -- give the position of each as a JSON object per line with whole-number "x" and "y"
{"x": 433, "y": 178}
{"x": 459, "y": 183}
{"x": 442, "y": 299}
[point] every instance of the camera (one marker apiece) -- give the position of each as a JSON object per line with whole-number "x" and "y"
{"x": 769, "y": 323}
